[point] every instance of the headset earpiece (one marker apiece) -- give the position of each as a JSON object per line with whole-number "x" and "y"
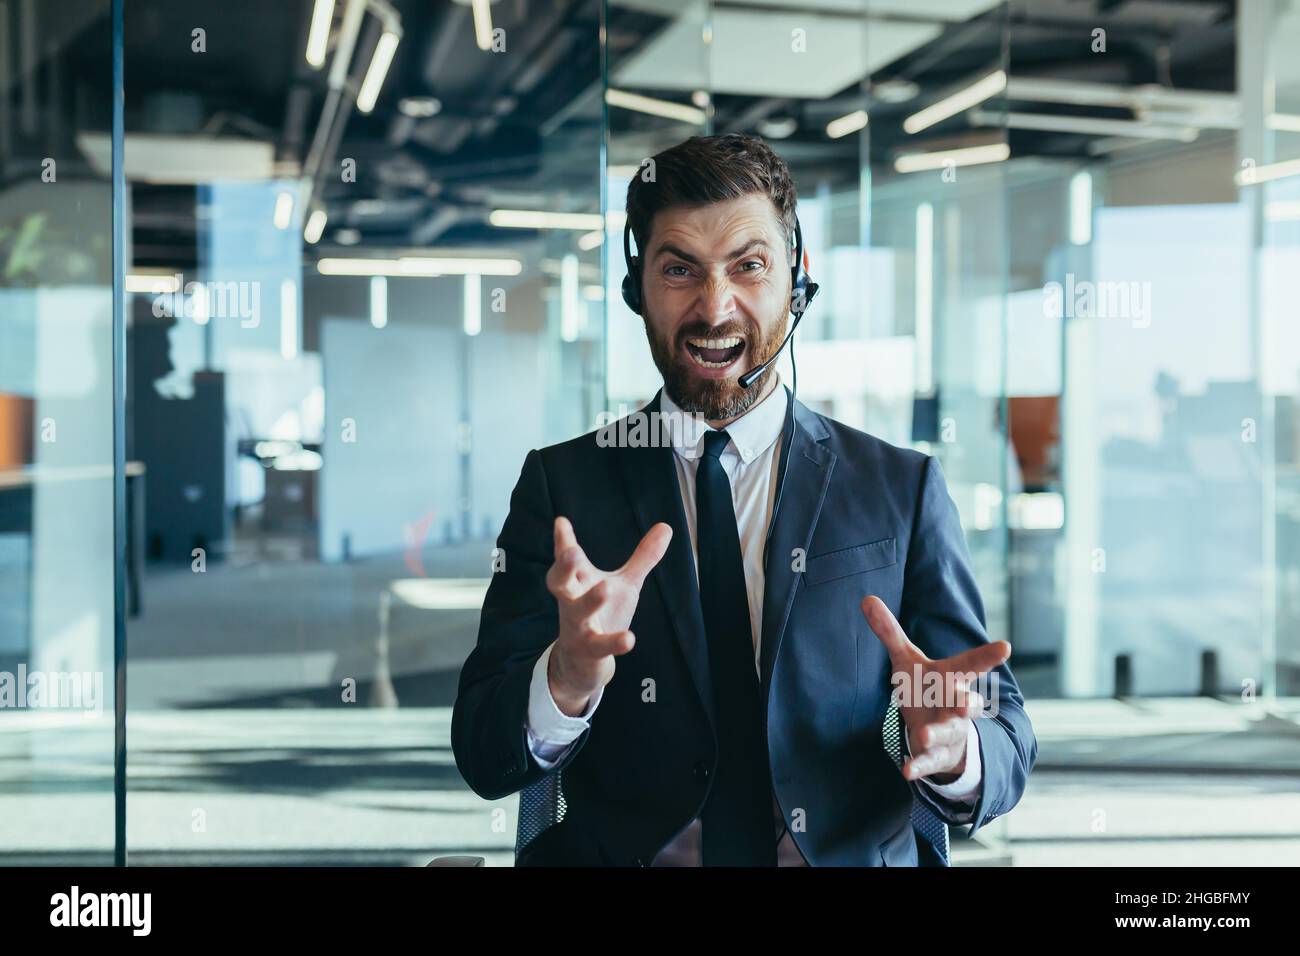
{"x": 631, "y": 281}
{"x": 801, "y": 289}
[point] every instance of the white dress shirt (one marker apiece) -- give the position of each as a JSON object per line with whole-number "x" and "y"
{"x": 751, "y": 460}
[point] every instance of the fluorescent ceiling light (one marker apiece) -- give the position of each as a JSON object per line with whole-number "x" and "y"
{"x": 149, "y": 283}
{"x": 318, "y": 35}
{"x": 199, "y": 304}
{"x": 591, "y": 240}
{"x": 647, "y": 104}
{"x": 1137, "y": 98}
{"x": 419, "y": 107}
{"x": 924, "y": 317}
{"x": 483, "y": 24}
{"x": 418, "y": 266}
{"x": 849, "y": 123}
{"x": 315, "y": 225}
{"x": 958, "y": 102}
{"x": 1266, "y": 174}
{"x": 283, "y": 210}
{"x": 1282, "y": 210}
{"x": 1287, "y": 122}
{"x": 288, "y": 320}
{"x": 378, "y": 301}
{"x": 570, "y": 306}
{"x": 473, "y": 323}
{"x": 1086, "y": 125}
{"x": 181, "y": 159}
{"x": 541, "y": 219}
{"x": 1081, "y": 208}
{"x": 377, "y": 71}
{"x": 966, "y": 156}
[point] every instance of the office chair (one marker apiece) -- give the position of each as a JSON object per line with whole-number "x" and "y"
{"x": 541, "y": 805}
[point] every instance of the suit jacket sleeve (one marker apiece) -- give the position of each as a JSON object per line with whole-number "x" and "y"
{"x": 519, "y": 621}
{"x": 943, "y": 614}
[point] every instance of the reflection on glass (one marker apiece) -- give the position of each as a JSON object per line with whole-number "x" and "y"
{"x": 56, "y": 432}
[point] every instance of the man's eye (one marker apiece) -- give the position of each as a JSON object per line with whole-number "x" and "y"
{"x": 758, "y": 263}
{"x": 670, "y": 269}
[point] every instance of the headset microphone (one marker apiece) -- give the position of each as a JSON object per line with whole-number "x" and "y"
{"x": 750, "y": 377}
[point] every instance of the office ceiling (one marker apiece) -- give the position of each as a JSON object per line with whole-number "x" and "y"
{"x": 522, "y": 128}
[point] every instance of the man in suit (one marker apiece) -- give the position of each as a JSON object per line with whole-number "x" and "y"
{"x": 704, "y": 607}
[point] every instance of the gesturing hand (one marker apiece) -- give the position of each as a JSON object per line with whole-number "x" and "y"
{"x": 596, "y": 609}
{"x": 937, "y": 733}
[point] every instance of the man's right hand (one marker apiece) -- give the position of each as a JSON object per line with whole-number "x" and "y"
{"x": 596, "y": 609}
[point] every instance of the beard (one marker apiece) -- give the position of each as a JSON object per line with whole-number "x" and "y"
{"x": 714, "y": 399}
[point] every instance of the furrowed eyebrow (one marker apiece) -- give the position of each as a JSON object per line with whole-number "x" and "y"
{"x": 670, "y": 249}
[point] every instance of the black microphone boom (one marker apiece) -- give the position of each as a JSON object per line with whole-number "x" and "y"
{"x": 750, "y": 377}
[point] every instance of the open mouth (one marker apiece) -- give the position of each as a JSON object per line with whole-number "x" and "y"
{"x": 715, "y": 353}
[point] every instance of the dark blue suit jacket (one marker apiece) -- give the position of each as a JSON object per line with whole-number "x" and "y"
{"x": 870, "y": 518}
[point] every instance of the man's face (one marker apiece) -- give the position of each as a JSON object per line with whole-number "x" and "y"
{"x": 715, "y": 286}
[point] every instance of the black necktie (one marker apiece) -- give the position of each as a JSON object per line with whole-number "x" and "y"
{"x": 736, "y": 824}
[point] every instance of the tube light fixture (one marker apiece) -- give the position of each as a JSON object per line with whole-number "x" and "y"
{"x": 318, "y": 35}
{"x": 418, "y": 266}
{"x": 655, "y": 107}
{"x": 377, "y": 71}
{"x": 965, "y": 156}
{"x": 849, "y": 123}
{"x": 964, "y": 99}
{"x": 315, "y": 225}
{"x": 283, "y": 214}
{"x": 541, "y": 219}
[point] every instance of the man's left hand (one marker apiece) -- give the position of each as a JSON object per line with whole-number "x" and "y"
{"x": 937, "y": 732}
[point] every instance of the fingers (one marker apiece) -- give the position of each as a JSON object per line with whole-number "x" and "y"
{"x": 648, "y": 553}
{"x": 940, "y": 733}
{"x": 939, "y": 747}
{"x": 564, "y": 536}
{"x": 902, "y": 652}
{"x": 979, "y": 660}
{"x": 606, "y": 645}
{"x": 571, "y": 572}
{"x": 928, "y": 763}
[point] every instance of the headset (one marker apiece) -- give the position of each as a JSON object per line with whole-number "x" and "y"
{"x": 802, "y": 291}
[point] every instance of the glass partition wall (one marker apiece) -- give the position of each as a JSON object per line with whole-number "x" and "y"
{"x": 57, "y": 401}
{"x": 372, "y": 256}
{"x": 359, "y": 231}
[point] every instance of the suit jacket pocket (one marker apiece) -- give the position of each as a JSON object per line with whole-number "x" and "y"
{"x": 847, "y": 561}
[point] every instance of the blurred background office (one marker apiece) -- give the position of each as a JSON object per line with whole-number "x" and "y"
{"x": 371, "y": 258}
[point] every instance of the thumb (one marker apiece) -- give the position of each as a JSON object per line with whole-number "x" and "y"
{"x": 902, "y": 652}
{"x": 647, "y": 554}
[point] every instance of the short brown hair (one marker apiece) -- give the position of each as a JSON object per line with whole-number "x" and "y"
{"x": 709, "y": 169}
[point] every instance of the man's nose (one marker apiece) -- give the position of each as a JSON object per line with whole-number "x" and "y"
{"x": 717, "y": 302}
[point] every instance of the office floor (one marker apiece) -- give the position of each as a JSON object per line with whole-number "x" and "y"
{"x": 1158, "y": 782}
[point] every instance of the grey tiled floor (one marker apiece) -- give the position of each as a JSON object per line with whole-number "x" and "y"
{"x": 1154, "y": 782}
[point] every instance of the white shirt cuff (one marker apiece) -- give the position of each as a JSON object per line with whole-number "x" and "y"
{"x": 966, "y": 788}
{"x": 551, "y": 732}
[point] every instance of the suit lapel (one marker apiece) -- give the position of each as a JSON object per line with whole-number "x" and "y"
{"x": 651, "y": 482}
{"x": 809, "y": 465}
